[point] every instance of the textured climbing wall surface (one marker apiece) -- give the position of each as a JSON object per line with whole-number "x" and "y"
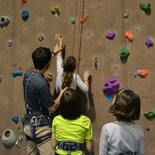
{"x": 89, "y": 45}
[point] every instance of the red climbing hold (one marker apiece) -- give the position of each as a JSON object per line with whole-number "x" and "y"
{"x": 24, "y": 1}
{"x": 84, "y": 19}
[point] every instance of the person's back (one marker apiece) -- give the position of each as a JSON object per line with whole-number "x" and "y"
{"x": 66, "y": 76}
{"x": 71, "y": 131}
{"x": 124, "y": 136}
{"x": 39, "y": 104}
{"x": 34, "y": 84}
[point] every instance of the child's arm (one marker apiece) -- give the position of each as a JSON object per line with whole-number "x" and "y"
{"x": 103, "y": 147}
{"x": 81, "y": 85}
{"x": 89, "y": 147}
{"x": 53, "y": 138}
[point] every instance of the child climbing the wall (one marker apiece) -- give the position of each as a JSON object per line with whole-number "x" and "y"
{"x": 124, "y": 136}
{"x": 71, "y": 131}
{"x": 65, "y": 72}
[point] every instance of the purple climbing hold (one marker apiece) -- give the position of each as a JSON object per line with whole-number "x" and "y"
{"x": 110, "y": 35}
{"x": 148, "y": 42}
{"x": 111, "y": 86}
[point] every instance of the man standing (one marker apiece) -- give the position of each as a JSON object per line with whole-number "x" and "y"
{"x": 39, "y": 103}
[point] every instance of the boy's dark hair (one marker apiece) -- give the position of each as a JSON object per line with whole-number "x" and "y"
{"x": 41, "y": 57}
{"x": 70, "y": 105}
{"x": 126, "y": 105}
{"x": 69, "y": 66}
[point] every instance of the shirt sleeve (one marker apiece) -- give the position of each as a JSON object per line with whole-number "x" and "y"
{"x": 103, "y": 146}
{"x": 80, "y": 84}
{"x": 89, "y": 131}
{"x": 53, "y": 129}
{"x": 59, "y": 67}
{"x": 46, "y": 98}
{"x": 141, "y": 144}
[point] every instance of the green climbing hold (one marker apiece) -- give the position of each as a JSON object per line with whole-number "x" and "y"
{"x": 73, "y": 20}
{"x": 124, "y": 53}
{"x": 0, "y": 78}
{"x": 150, "y": 115}
{"x": 146, "y": 7}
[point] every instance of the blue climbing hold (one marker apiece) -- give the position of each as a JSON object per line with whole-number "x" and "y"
{"x": 25, "y": 15}
{"x": 14, "y": 74}
{"x": 15, "y": 119}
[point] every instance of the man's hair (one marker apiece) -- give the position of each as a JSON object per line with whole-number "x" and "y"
{"x": 126, "y": 105}
{"x": 41, "y": 57}
{"x": 70, "y": 105}
{"x": 69, "y": 66}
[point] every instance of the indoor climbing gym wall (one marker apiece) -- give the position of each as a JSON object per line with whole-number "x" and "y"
{"x": 114, "y": 39}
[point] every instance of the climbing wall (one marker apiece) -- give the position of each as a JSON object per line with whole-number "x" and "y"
{"x": 87, "y": 42}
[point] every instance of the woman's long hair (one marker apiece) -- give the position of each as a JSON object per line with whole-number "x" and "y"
{"x": 69, "y": 66}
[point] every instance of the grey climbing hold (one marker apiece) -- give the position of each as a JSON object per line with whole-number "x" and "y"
{"x": 10, "y": 42}
{"x": 4, "y": 21}
{"x": 40, "y": 37}
{"x": 8, "y": 138}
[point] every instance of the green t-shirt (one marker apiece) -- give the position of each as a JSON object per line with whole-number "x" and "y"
{"x": 78, "y": 130}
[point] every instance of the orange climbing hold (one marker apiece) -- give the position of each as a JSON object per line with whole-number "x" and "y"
{"x": 143, "y": 72}
{"x": 84, "y": 19}
{"x": 129, "y": 36}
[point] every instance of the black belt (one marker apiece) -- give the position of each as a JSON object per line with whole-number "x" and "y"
{"x": 128, "y": 153}
{"x": 70, "y": 146}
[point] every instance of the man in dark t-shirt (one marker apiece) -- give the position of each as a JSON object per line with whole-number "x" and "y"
{"x": 39, "y": 103}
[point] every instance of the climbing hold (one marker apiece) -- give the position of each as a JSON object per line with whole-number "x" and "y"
{"x": 49, "y": 77}
{"x": 15, "y": 119}
{"x": 17, "y": 73}
{"x": 10, "y": 42}
{"x": 55, "y": 10}
{"x": 4, "y": 21}
{"x": 124, "y": 53}
{"x": 25, "y": 15}
{"x": 129, "y": 36}
{"x": 84, "y": 19}
{"x": 110, "y": 35}
{"x": 141, "y": 72}
{"x": 110, "y": 87}
{"x": 96, "y": 63}
{"x": 0, "y": 78}
{"x": 73, "y": 20}
{"x": 8, "y": 138}
{"x": 146, "y": 7}
{"x": 148, "y": 42}
{"x": 24, "y": 1}
{"x": 150, "y": 115}
{"x": 125, "y": 14}
{"x": 40, "y": 37}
